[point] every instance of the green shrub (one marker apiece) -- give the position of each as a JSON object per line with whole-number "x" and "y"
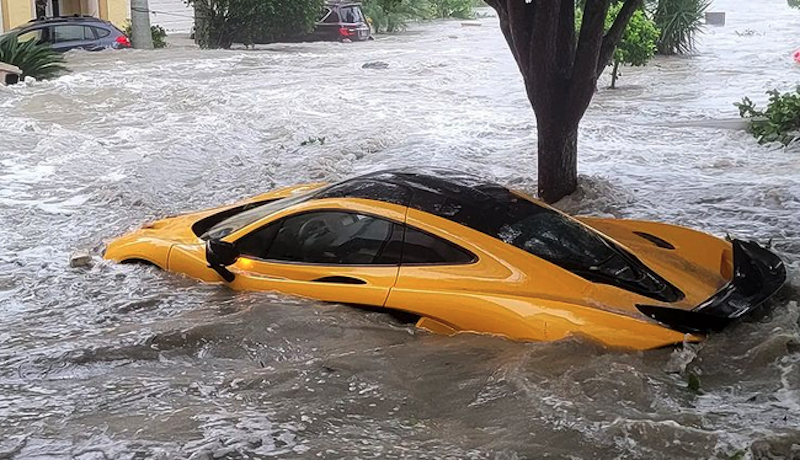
{"x": 461, "y": 9}
{"x": 780, "y": 122}
{"x": 394, "y": 15}
{"x": 679, "y": 21}
{"x": 225, "y": 22}
{"x": 158, "y": 33}
{"x": 34, "y": 60}
{"x": 638, "y": 44}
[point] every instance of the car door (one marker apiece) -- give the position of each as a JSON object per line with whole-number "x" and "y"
{"x": 67, "y": 37}
{"x": 335, "y": 255}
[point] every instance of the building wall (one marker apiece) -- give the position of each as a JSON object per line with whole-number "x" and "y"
{"x": 70, "y": 7}
{"x": 16, "y": 12}
{"x": 116, "y": 11}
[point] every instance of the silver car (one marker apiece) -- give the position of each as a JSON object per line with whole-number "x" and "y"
{"x": 72, "y": 32}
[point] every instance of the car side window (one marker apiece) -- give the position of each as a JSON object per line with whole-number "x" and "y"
{"x": 326, "y": 237}
{"x": 421, "y": 248}
{"x": 101, "y": 33}
{"x": 258, "y": 242}
{"x": 35, "y": 35}
{"x": 331, "y": 17}
{"x": 72, "y": 33}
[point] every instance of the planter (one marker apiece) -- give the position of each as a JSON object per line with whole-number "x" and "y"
{"x": 9, "y": 74}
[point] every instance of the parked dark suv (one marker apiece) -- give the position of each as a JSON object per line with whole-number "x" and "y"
{"x": 341, "y": 21}
{"x": 72, "y": 32}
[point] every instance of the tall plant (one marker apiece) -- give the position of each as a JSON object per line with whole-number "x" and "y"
{"x": 33, "y": 59}
{"x": 394, "y": 15}
{"x": 461, "y": 9}
{"x": 679, "y": 22}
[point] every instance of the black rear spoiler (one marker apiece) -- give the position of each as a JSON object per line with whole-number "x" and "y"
{"x": 757, "y": 274}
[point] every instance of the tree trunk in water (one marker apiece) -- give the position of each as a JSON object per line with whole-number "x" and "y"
{"x": 614, "y": 74}
{"x": 558, "y": 161}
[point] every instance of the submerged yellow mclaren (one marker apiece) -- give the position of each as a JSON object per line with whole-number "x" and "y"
{"x": 458, "y": 253}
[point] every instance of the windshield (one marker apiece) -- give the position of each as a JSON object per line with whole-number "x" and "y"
{"x": 243, "y": 219}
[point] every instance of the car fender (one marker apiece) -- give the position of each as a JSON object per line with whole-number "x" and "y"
{"x": 136, "y": 246}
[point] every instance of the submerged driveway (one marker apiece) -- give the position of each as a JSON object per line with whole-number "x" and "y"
{"x": 129, "y": 362}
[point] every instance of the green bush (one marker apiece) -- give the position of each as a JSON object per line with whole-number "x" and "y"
{"x": 225, "y": 22}
{"x": 461, "y": 9}
{"x": 679, "y": 21}
{"x": 638, "y": 44}
{"x": 158, "y": 33}
{"x": 34, "y": 60}
{"x": 394, "y": 15}
{"x": 780, "y": 122}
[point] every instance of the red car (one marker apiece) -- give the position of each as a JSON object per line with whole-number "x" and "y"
{"x": 341, "y": 21}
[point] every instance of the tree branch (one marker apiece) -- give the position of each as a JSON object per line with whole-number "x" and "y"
{"x": 565, "y": 54}
{"x": 615, "y": 33}
{"x": 590, "y": 41}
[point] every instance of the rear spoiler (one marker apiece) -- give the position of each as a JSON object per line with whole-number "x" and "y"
{"x": 757, "y": 274}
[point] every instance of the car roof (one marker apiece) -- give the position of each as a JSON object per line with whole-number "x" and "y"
{"x": 461, "y": 197}
{"x": 64, "y": 19}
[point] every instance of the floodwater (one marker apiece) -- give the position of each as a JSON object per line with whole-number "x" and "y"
{"x": 128, "y": 362}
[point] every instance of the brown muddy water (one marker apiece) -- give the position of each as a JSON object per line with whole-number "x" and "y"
{"x": 128, "y": 362}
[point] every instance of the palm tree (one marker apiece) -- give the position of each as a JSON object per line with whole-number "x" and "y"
{"x": 33, "y": 59}
{"x": 679, "y": 22}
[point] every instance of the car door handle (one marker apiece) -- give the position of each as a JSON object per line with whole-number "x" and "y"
{"x": 339, "y": 280}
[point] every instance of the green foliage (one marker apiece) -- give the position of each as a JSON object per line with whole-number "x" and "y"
{"x": 461, "y": 9}
{"x": 679, "y": 21}
{"x": 693, "y": 382}
{"x": 780, "y": 122}
{"x": 33, "y": 59}
{"x": 225, "y": 22}
{"x": 638, "y": 44}
{"x": 158, "y": 33}
{"x": 394, "y": 15}
{"x": 793, "y": 3}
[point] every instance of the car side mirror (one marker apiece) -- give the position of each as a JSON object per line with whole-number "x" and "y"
{"x": 219, "y": 255}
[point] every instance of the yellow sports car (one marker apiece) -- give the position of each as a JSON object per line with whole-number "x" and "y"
{"x": 458, "y": 253}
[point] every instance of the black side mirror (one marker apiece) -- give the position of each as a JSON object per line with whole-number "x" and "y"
{"x": 219, "y": 255}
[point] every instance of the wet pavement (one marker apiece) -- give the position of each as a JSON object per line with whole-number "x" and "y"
{"x": 129, "y": 362}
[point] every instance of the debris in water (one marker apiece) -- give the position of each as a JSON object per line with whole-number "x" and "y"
{"x": 80, "y": 259}
{"x": 680, "y": 358}
{"x": 377, "y": 65}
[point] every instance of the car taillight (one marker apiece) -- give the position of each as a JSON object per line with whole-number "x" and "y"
{"x": 123, "y": 41}
{"x": 344, "y": 32}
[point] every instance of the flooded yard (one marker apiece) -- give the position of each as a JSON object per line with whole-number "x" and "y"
{"x": 129, "y": 362}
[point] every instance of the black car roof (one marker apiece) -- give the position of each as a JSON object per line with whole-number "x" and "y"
{"x": 463, "y": 198}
